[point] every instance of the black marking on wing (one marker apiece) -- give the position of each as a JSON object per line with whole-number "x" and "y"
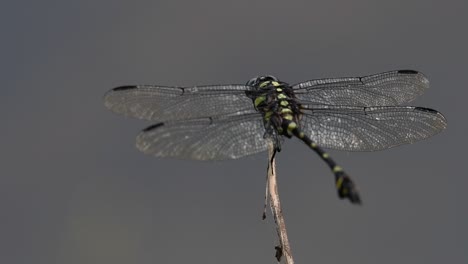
{"x": 153, "y": 127}
{"x": 408, "y": 72}
{"x": 425, "y": 109}
{"x": 124, "y": 88}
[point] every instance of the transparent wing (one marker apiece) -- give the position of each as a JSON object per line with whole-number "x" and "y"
{"x": 370, "y": 128}
{"x": 161, "y": 103}
{"x": 383, "y": 89}
{"x": 226, "y": 137}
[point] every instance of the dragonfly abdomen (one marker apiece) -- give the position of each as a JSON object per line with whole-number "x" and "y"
{"x": 344, "y": 185}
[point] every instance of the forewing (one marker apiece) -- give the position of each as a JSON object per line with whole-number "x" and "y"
{"x": 227, "y": 137}
{"x": 161, "y": 103}
{"x": 383, "y": 89}
{"x": 370, "y": 128}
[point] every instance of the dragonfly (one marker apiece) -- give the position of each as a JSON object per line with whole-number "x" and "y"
{"x": 231, "y": 121}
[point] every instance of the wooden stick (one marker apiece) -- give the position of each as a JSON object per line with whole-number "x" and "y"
{"x": 283, "y": 249}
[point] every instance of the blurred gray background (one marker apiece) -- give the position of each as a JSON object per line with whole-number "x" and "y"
{"x": 74, "y": 189}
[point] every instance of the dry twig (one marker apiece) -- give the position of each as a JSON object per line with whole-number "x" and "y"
{"x": 283, "y": 249}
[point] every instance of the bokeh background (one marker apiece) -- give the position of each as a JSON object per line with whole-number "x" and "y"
{"x": 74, "y": 189}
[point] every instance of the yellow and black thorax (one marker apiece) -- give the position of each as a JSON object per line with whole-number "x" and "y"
{"x": 276, "y": 102}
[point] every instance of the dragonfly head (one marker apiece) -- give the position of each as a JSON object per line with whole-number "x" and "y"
{"x": 262, "y": 81}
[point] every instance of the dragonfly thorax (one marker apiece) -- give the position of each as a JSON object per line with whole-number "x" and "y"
{"x": 276, "y": 102}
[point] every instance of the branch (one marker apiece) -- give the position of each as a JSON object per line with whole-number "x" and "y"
{"x": 283, "y": 249}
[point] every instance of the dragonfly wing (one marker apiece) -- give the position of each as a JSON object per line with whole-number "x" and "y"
{"x": 370, "y": 128}
{"x": 161, "y": 103}
{"x": 383, "y": 89}
{"x": 216, "y": 138}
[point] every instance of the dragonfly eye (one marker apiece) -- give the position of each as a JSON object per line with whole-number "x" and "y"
{"x": 271, "y": 78}
{"x": 260, "y": 79}
{"x": 253, "y": 81}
